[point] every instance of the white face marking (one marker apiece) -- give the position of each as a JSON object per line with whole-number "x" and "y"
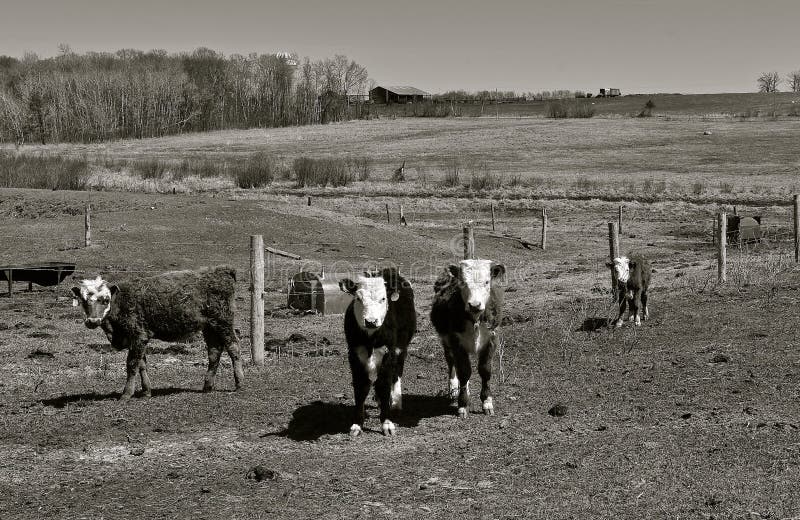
{"x": 475, "y": 279}
{"x": 95, "y": 298}
{"x": 622, "y": 268}
{"x": 371, "y": 304}
{"x": 397, "y": 394}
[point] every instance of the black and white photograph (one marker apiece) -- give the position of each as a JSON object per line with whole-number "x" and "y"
{"x": 424, "y": 259}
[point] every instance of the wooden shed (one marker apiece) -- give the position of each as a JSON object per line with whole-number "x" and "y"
{"x": 318, "y": 292}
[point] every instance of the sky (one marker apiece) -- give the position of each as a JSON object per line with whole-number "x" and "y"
{"x": 638, "y": 46}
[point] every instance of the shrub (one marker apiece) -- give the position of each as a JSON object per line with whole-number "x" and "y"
{"x": 321, "y": 172}
{"x": 647, "y": 111}
{"x": 256, "y": 172}
{"x": 698, "y": 188}
{"x": 452, "y": 174}
{"x": 561, "y": 109}
{"x": 149, "y": 168}
{"x": 484, "y": 179}
{"x": 726, "y": 187}
{"x": 43, "y": 172}
{"x": 557, "y": 110}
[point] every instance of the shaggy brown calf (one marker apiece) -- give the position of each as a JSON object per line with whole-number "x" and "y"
{"x": 170, "y": 307}
{"x": 466, "y": 311}
{"x": 633, "y": 280}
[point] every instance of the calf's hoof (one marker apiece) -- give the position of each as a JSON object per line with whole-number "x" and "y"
{"x": 125, "y": 397}
{"x": 208, "y": 387}
{"x": 488, "y": 406}
{"x": 638, "y": 321}
{"x": 355, "y": 430}
{"x": 462, "y": 412}
{"x": 618, "y": 324}
{"x": 388, "y": 427}
{"x": 147, "y": 394}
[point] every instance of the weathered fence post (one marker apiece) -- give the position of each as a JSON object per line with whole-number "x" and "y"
{"x": 544, "y": 229}
{"x": 613, "y": 252}
{"x": 797, "y": 228}
{"x": 87, "y": 225}
{"x": 469, "y": 241}
{"x": 619, "y": 219}
{"x": 722, "y": 253}
{"x": 402, "y": 216}
{"x": 309, "y": 200}
{"x": 714, "y": 231}
{"x": 388, "y": 218}
{"x": 492, "y": 216}
{"x": 257, "y": 299}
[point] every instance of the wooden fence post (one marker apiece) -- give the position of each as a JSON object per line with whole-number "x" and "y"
{"x": 492, "y": 215}
{"x": 722, "y": 253}
{"x": 87, "y": 225}
{"x": 257, "y": 299}
{"x": 619, "y": 219}
{"x": 797, "y": 228}
{"x": 544, "y": 229}
{"x": 309, "y": 200}
{"x": 388, "y": 218}
{"x": 613, "y": 252}
{"x": 714, "y": 231}
{"x": 402, "y": 216}
{"x": 469, "y": 241}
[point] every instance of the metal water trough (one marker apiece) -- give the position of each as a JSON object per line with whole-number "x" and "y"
{"x": 318, "y": 292}
{"x": 45, "y": 274}
{"x": 744, "y": 229}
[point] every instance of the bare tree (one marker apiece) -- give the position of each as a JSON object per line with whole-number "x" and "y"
{"x": 793, "y": 79}
{"x": 768, "y": 82}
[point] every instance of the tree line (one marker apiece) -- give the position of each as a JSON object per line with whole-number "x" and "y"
{"x": 135, "y": 94}
{"x": 770, "y": 81}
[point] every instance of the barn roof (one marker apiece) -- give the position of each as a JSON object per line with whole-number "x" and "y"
{"x": 404, "y": 90}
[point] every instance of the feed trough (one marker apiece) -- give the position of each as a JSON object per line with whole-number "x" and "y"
{"x": 318, "y": 292}
{"x": 45, "y": 274}
{"x": 744, "y": 229}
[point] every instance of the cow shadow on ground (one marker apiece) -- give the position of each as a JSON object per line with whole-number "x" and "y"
{"x": 63, "y": 400}
{"x": 594, "y": 324}
{"x": 311, "y": 421}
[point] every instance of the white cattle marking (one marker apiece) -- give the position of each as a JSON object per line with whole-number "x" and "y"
{"x": 371, "y": 362}
{"x": 476, "y": 278}
{"x": 370, "y": 304}
{"x": 388, "y": 427}
{"x": 622, "y": 269}
{"x": 488, "y": 406}
{"x": 397, "y": 394}
{"x": 355, "y": 430}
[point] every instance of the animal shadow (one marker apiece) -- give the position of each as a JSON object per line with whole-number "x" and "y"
{"x": 311, "y": 421}
{"x": 593, "y": 324}
{"x": 64, "y": 400}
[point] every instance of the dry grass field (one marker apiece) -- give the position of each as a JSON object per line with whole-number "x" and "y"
{"x": 696, "y": 414}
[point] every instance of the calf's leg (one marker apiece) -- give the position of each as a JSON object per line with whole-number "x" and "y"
{"x": 143, "y": 375}
{"x": 449, "y": 345}
{"x": 361, "y": 386}
{"x": 383, "y": 391}
{"x": 397, "y": 378}
{"x": 136, "y": 351}
{"x": 623, "y": 303}
{"x": 636, "y": 304}
{"x": 236, "y": 360}
{"x": 485, "y": 370}
{"x": 464, "y": 371}
{"x": 645, "y": 310}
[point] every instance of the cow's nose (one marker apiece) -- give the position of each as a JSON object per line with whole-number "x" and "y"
{"x": 371, "y": 324}
{"x": 475, "y": 307}
{"x": 92, "y": 323}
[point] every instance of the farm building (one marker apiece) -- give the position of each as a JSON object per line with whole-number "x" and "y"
{"x": 318, "y": 292}
{"x": 397, "y": 94}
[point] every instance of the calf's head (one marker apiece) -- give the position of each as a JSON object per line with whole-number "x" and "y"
{"x": 94, "y": 296}
{"x": 474, "y": 279}
{"x": 622, "y": 267}
{"x": 371, "y": 301}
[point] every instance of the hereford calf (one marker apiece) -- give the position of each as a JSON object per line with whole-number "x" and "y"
{"x": 170, "y": 307}
{"x": 633, "y": 280}
{"x": 466, "y": 311}
{"x": 378, "y": 326}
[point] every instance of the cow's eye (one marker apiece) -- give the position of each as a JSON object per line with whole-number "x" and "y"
{"x": 383, "y": 300}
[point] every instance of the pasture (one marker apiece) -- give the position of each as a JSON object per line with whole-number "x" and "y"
{"x": 696, "y": 414}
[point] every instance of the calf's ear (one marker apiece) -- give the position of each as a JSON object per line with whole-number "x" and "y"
{"x": 76, "y": 293}
{"x": 114, "y": 289}
{"x": 347, "y": 285}
{"x": 454, "y": 270}
{"x": 498, "y": 270}
{"x": 631, "y": 264}
{"x": 609, "y": 264}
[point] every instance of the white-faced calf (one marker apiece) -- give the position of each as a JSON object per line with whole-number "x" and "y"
{"x": 170, "y": 307}
{"x": 378, "y": 326}
{"x": 633, "y": 280}
{"x": 466, "y": 311}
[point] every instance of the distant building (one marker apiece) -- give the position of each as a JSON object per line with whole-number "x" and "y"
{"x": 610, "y": 92}
{"x": 397, "y": 94}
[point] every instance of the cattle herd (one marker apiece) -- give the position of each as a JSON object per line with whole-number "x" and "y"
{"x": 378, "y": 324}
